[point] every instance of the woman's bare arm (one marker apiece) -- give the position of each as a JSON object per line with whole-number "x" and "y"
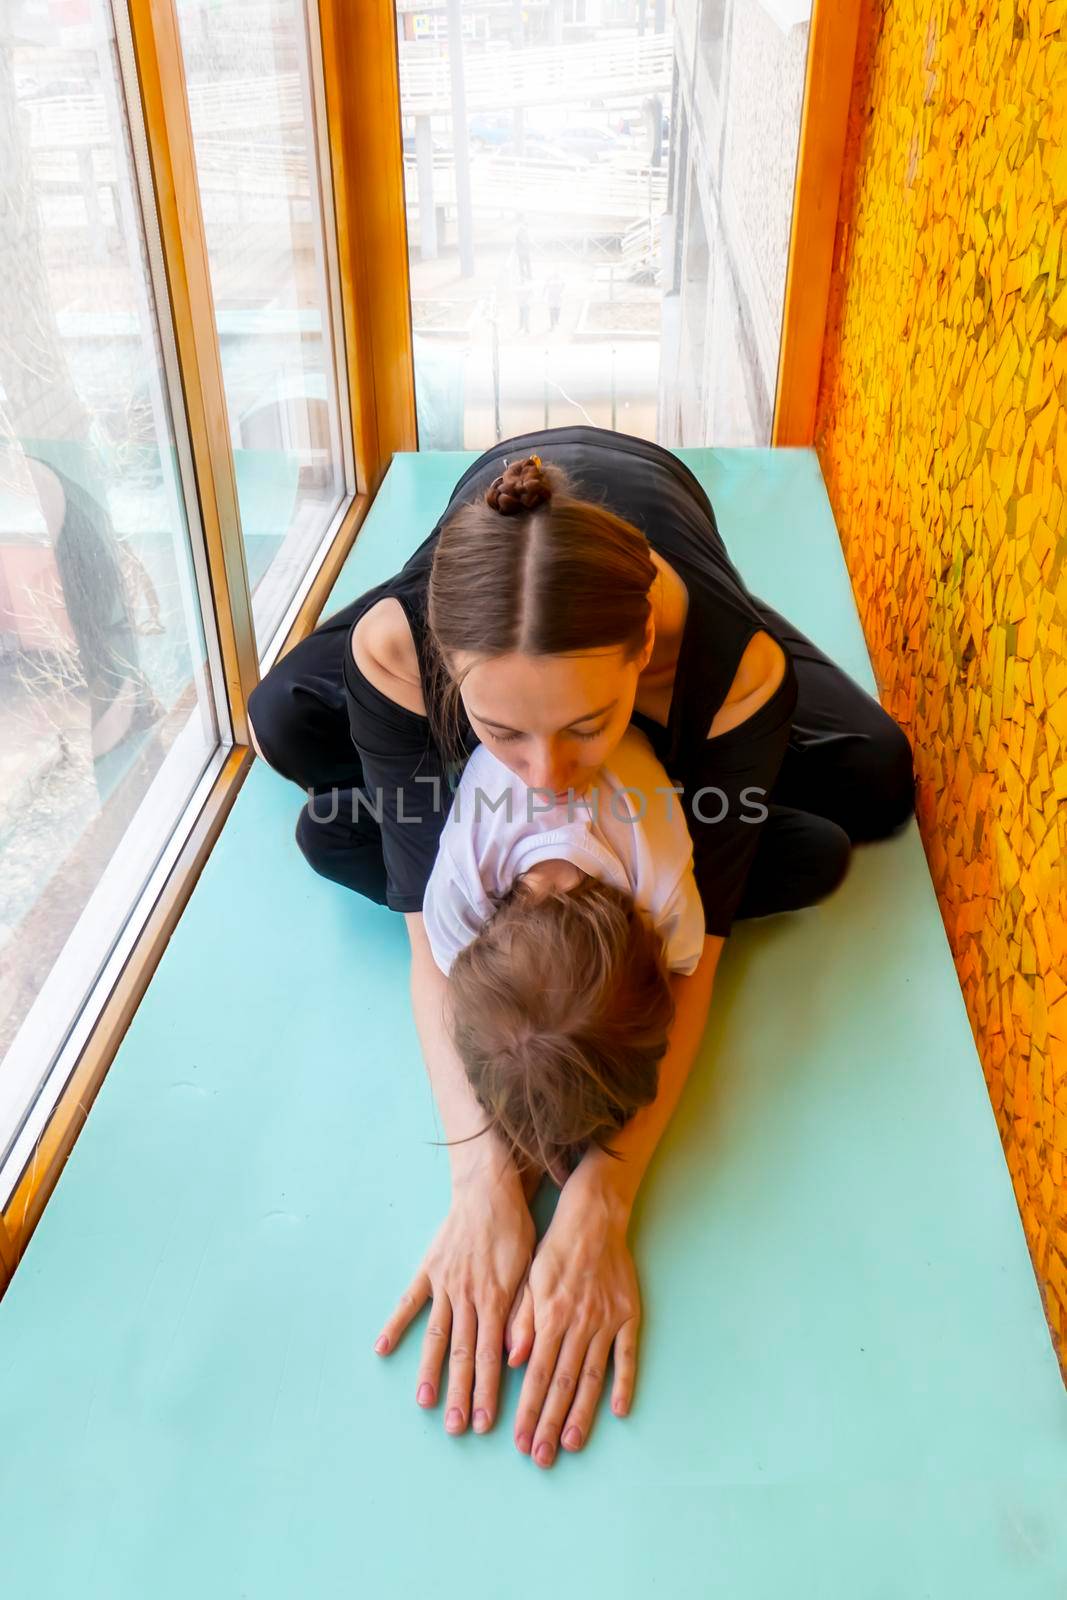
{"x": 637, "y": 1141}
{"x": 481, "y": 1253}
{"x": 384, "y": 652}
{"x": 582, "y": 1302}
{"x": 461, "y": 1115}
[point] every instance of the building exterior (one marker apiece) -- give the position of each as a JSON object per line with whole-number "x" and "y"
{"x": 735, "y": 116}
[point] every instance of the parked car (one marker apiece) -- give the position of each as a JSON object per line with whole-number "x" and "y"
{"x": 485, "y": 130}
{"x": 64, "y": 89}
{"x": 437, "y": 146}
{"x": 538, "y": 153}
{"x": 592, "y": 143}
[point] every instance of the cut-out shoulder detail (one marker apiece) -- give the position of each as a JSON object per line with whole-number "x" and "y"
{"x": 384, "y": 652}
{"x": 759, "y": 674}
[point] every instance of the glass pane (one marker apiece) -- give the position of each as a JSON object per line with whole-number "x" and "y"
{"x": 740, "y": 93}
{"x": 252, "y": 108}
{"x": 107, "y": 717}
{"x": 599, "y": 198}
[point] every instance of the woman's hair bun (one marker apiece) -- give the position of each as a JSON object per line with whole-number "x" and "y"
{"x": 522, "y": 486}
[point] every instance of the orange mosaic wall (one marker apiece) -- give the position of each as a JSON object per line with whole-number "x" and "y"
{"x": 942, "y": 431}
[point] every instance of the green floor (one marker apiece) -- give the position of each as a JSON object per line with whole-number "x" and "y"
{"x": 847, "y": 1388}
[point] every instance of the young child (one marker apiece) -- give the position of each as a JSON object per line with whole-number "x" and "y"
{"x": 557, "y": 924}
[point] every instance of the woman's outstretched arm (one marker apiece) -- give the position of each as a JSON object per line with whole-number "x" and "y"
{"x": 481, "y": 1253}
{"x": 637, "y": 1141}
{"x": 581, "y": 1300}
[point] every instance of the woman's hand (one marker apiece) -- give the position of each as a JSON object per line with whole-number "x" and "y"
{"x": 580, "y": 1300}
{"x": 581, "y": 1297}
{"x": 471, "y": 1273}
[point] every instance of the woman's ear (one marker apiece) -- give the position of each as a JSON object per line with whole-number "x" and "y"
{"x": 650, "y": 640}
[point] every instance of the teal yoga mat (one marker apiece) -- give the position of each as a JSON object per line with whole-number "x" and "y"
{"x": 846, "y": 1390}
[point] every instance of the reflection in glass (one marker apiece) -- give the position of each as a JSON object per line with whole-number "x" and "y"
{"x": 247, "y": 67}
{"x": 599, "y": 197}
{"x": 107, "y": 716}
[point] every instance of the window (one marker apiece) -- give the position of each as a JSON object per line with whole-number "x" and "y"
{"x": 546, "y": 254}
{"x": 536, "y": 183}
{"x": 695, "y": 309}
{"x": 254, "y": 106}
{"x": 111, "y": 720}
{"x": 175, "y": 437}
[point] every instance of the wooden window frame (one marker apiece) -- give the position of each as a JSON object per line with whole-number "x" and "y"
{"x": 362, "y": 96}
{"x": 828, "y": 80}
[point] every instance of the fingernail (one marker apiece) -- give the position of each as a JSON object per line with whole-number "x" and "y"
{"x": 546, "y": 1453}
{"x": 481, "y": 1421}
{"x": 572, "y": 1439}
{"x": 425, "y": 1395}
{"x": 454, "y": 1420}
{"x": 619, "y": 1407}
{"x": 382, "y": 1345}
{"x": 523, "y": 1441}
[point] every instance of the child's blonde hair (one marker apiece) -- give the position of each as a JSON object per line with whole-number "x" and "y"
{"x": 560, "y": 1010}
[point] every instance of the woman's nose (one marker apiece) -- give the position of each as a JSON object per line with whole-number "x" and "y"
{"x": 548, "y": 770}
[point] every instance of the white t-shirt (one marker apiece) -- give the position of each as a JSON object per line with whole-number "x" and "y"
{"x": 628, "y": 830}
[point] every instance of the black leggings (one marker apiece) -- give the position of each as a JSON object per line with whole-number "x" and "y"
{"x": 846, "y": 777}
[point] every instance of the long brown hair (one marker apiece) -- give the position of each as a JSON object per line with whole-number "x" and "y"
{"x": 560, "y": 1011}
{"x": 532, "y": 568}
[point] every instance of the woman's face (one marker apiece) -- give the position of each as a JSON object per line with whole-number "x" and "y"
{"x": 554, "y": 720}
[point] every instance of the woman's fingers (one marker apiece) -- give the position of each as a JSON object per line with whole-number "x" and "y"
{"x": 622, "y": 1390}
{"x": 434, "y": 1347}
{"x": 569, "y": 1399}
{"x": 563, "y": 1382}
{"x": 560, "y": 1395}
{"x": 487, "y": 1356}
{"x": 408, "y": 1307}
{"x": 535, "y": 1385}
{"x": 519, "y": 1333}
{"x": 461, "y": 1366}
{"x": 579, "y": 1419}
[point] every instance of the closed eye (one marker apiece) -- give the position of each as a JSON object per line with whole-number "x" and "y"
{"x": 509, "y": 738}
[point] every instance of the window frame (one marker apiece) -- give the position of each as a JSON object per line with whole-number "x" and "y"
{"x": 821, "y": 159}
{"x": 21, "y": 1159}
{"x": 356, "y": 112}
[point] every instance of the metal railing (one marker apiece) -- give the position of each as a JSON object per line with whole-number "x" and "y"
{"x": 504, "y": 77}
{"x": 593, "y": 194}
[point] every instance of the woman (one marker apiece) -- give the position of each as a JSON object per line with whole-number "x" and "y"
{"x": 542, "y": 615}
{"x": 96, "y": 576}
